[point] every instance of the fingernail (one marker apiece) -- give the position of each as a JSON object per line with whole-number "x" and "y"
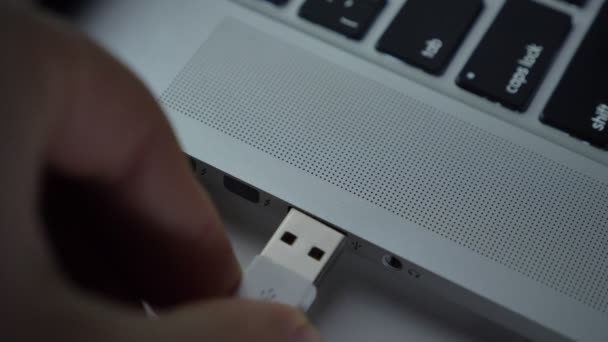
{"x": 306, "y": 333}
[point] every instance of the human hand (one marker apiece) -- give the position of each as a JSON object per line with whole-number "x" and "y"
{"x": 99, "y": 209}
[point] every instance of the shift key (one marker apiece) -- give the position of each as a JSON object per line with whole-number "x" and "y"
{"x": 579, "y": 105}
{"x": 513, "y": 57}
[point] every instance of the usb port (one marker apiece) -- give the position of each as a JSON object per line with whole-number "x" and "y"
{"x": 241, "y": 189}
{"x": 292, "y": 262}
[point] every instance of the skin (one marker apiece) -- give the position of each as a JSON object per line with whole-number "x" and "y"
{"x": 98, "y": 208}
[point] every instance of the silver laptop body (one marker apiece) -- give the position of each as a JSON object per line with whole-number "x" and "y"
{"x": 490, "y": 208}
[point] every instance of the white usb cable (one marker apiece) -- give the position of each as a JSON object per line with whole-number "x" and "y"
{"x": 290, "y": 264}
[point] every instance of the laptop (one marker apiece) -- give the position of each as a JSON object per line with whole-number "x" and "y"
{"x": 460, "y": 145}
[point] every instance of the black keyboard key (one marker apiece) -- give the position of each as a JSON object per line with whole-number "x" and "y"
{"x": 427, "y": 33}
{"x": 514, "y": 55}
{"x": 278, "y": 2}
{"x": 579, "y": 105}
{"x": 351, "y": 18}
{"x": 577, "y": 2}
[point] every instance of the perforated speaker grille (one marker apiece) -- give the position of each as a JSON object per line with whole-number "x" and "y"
{"x": 499, "y": 199}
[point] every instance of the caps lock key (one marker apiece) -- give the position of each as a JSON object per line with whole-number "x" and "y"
{"x": 515, "y": 54}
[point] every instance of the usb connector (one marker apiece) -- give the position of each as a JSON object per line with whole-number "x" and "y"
{"x": 292, "y": 261}
{"x": 290, "y": 264}
{"x": 303, "y": 245}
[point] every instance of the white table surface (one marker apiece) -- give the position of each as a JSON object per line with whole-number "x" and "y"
{"x": 358, "y": 300}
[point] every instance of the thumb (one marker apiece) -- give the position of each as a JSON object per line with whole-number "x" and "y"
{"x": 71, "y": 316}
{"x": 234, "y": 320}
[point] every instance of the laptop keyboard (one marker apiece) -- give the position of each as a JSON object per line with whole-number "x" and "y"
{"x": 508, "y": 65}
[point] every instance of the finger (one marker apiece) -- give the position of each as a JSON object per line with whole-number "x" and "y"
{"x": 235, "y": 320}
{"x": 230, "y": 320}
{"x": 109, "y": 133}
